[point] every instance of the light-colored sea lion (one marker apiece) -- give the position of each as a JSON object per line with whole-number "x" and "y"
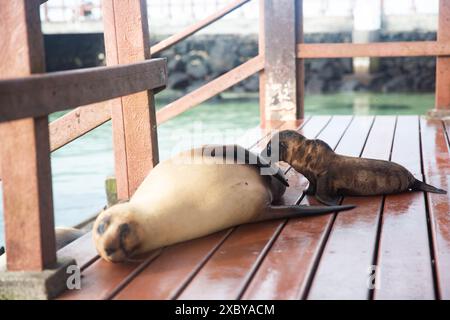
{"x": 332, "y": 176}
{"x": 191, "y": 195}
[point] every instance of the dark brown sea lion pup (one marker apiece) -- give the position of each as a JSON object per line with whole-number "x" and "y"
{"x": 332, "y": 176}
{"x": 193, "y": 194}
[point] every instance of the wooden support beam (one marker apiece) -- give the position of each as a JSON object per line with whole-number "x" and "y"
{"x": 43, "y": 94}
{"x": 280, "y": 69}
{"x": 210, "y": 89}
{"x": 25, "y": 159}
{"x": 127, "y": 40}
{"x": 77, "y": 123}
{"x": 174, "y": 39}
{"x": 300, "y": 65}
{"x": 443, "y": 63}
{"x": 262, "y": 74}
{"x": 374, "y": 49}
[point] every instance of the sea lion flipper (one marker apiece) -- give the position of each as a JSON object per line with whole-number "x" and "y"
{"x": 327, "y": 199}
{"x": 298, "y": 211}
{"x": 324, "y": 193}
{"x": 311, "y": 190}
{"x": 418, "y": 185}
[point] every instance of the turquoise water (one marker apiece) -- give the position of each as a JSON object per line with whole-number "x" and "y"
{"x": 80, "y": 168}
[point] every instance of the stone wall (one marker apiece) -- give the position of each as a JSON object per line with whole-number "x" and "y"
{"x": 202, "y": 58}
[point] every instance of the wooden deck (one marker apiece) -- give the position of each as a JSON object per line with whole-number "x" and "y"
{"x": 406, "y": 236}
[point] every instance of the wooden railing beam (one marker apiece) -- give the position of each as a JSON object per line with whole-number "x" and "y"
{"x": 210, "y": 89}
{"x": 77, "y": 123}
{"x": 374, "y": 49}
{"x": 40, "y": 95}
{"x": 25, "y": 152}
{"x": 127, "y": 40}
{"x": 174, "y": 39}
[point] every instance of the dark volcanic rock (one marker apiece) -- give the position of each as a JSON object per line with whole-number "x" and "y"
{"x": 201, "y": 58}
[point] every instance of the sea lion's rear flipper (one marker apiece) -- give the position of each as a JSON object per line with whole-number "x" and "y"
{"x": 422, "y": 186}
{"x": 323, "y": 192}
{"x": 279, "y": 212}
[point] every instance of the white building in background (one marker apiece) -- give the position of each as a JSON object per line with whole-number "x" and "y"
{"x": 170, "y": 16}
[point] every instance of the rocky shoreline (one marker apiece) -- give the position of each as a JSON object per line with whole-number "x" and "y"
{"x": 202, "y": 58}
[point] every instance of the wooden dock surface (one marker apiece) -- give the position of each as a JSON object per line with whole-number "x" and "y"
{"x": 404, "y": 239}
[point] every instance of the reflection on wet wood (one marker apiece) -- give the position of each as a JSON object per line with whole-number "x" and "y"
{"x": 326, "y": 257}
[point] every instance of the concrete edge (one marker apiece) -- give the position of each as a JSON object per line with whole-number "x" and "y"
{"x": 35, "y": 285}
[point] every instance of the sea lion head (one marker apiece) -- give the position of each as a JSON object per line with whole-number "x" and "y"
{"x": 282, "y": 145}
{"x": 117, "y": 234}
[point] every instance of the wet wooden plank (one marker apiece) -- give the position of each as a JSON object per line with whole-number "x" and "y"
{"x": 285, "y": 271}
{"x": 127, "y": 40}
{"x": 25, "y": 150}
{"x": 231, "y": 265}
{"x": 404, "y": 257}
{"x": 230, "y": 269}
{"x": 436, "y": 166}
{"x": 102, "y": 279}
{"x": 343, "y": 270}
{"x": 82, "y": 250}
{"x": 163, "y": 278}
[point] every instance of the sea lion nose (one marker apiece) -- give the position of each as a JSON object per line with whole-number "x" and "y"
{"x": 101, "y": 228}
{"x": 110, "y": 251}
{"x": 124, "y": 230}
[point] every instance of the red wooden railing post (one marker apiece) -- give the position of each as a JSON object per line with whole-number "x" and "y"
{"x": 127, "y": 40}
{"x": 442, "y": 104}
{"x": 281, "y": 83}
{"x": 25, "y": 151}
